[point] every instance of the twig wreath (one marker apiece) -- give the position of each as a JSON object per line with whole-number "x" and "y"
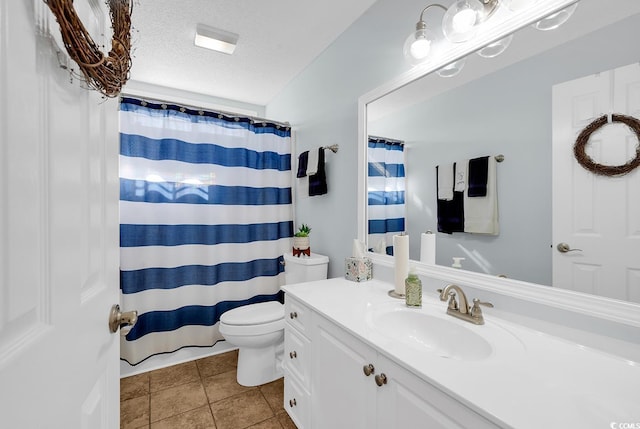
{"x": 104, "y": 73}
{"x": 606, "y": 170}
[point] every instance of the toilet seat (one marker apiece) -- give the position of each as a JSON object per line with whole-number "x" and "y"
{"x": 253, "y": 319}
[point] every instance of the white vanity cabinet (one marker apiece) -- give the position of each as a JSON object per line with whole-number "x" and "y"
{"x": 297, "y": 362}
{"x": 327, "y": 386}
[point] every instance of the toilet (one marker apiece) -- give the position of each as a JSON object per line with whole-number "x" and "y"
{"x": 258, "y": 329}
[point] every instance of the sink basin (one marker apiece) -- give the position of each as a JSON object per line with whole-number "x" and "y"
{"x": 433, "y": 333}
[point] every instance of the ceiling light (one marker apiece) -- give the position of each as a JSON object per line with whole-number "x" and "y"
{"x": 215, "y": 39}
{"x": 555, "y": 20}
{"x": 418, "y": 44}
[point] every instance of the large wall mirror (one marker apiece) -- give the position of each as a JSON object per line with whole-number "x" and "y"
{"x": 501, "y": 105}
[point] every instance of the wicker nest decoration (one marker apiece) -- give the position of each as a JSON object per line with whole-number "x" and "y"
{"x": 606, "y": 170}
{"x": 104, "y": 73}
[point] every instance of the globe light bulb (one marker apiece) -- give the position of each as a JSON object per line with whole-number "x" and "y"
{"x": 420, "y": 48}
{"x": 464, "y": 20}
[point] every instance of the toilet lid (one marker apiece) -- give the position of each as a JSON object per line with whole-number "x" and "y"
{"x": 254, "y": 314}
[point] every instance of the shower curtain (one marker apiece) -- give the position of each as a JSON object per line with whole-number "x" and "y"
{"x": 205, "y": 217}
{"x": 385, "y": 191}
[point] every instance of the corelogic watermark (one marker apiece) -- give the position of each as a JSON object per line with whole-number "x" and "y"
{"x": 625, "y": 425}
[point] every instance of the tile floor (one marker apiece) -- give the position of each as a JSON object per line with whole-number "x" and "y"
{"x": 202, "y": 394}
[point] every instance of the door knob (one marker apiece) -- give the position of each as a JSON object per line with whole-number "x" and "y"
{"x": 118, "y": 318}
{"x": 564, "y": 248}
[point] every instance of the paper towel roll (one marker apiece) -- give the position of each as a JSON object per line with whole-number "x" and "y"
{"x": 428, "y": 248}
{"x": 401, "y": 256}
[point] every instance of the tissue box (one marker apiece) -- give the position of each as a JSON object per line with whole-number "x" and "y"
{"x": 358, "y": 269}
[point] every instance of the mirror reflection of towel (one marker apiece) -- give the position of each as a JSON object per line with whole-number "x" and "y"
{"x": 478, "y": 171}
{"x": 450, "y": 212}
{"x": 481, "y": 212}
{"x": 445, "y": 181}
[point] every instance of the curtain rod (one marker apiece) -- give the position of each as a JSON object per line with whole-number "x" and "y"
{"x": 223, "y": 112}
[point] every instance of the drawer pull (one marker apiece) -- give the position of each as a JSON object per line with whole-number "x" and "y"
{"x": 293, "y": 315}
{"x": 293, "y": 354}
{"x": 292, "y": 402}
{"x": 381, "y": 379}
{"x": 368, "y": 369}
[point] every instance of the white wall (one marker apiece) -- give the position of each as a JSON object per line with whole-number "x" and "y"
{"x": 322, "y": 105}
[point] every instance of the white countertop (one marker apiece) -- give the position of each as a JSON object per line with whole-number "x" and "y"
{"x": 530, "y": 380}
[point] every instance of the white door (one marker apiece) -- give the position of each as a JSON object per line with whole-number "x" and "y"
{"x": 59, "y": 364}
{"x": 599, "y": 215}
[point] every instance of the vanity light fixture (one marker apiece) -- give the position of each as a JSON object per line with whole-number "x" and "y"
{"x": 555, "y": 20}
{"x": 452, "y": 69}
{"x": 461, "y": 20}
{"x": 215, "y": 39}
{"x": 459, "y": 24}
{"x": 516, "y": 5}
{"x": 496, "y": 48}
{"x": 418, "y": 44}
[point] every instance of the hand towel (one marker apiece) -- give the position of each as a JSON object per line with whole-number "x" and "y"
{"x": 460, "y": 182}
{"x": 477, "y": 183}
{"x": 312, "y": 162}
{"x": 445, "y": 182}
{"x": 318, "y": 181}
{"x": 303, "y": 160}
{"x": 450, "y": 213}
{"x": 481, "y": 213}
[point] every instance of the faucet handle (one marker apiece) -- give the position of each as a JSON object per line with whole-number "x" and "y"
{"x": 476, "y": 311}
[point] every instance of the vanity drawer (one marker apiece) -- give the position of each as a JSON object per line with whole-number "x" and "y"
{"x": 297, "y": 315}
{"x": 297, "y": 402}
{"x": 297, "y": 358}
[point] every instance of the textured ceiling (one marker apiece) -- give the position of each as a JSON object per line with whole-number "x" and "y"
{"x": 278, "y": 39}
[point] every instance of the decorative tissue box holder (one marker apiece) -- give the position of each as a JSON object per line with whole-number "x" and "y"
{"x": 358, "y": 269}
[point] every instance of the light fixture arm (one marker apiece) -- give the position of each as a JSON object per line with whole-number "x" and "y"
{"x": 421, "y": 25}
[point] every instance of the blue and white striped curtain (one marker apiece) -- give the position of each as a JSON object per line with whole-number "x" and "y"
{"x": 385, "y": 188}
{"x": 205, "y": 217}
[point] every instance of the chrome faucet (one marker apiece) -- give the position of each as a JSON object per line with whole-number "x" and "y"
{"x": 462, "y": 310}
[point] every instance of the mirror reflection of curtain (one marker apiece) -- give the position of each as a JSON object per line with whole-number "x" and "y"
{"x": 205, "y": 217}
{"x": 385, "y": 192}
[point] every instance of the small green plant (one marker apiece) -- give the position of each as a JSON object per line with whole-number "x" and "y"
{"x": 303, "y": 231}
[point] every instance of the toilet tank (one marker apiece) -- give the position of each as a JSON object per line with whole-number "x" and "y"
{"x": 305, "y": 268}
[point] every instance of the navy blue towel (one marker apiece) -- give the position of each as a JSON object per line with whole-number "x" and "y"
{"x": 318, "y": 181}
{"x": 303, "y": 161}
{"x": 450, "y": 212}
{"x": 477, "y": 177}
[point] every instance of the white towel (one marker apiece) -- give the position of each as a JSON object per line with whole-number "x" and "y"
{"x": 312, "y": 164}
{"x": 481, "y": 213}
{"x": 460, "y": 183}
{"x": 445, "y": 182}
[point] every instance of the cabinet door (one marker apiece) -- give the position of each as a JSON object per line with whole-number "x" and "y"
{"x": 342, "y": 395}
{"x": 407, "y": 401}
